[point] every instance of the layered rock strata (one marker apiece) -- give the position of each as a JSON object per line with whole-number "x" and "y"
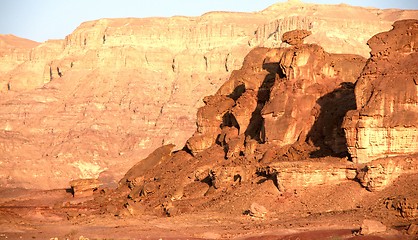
{"x": 93, "y": 104}
{"x": 386, "y": 120}
{"x": 304, "y": 174}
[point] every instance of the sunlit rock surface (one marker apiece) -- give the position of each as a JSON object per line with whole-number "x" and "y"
{"x": 93, "y": 104}
{"x": 386, "y": 120}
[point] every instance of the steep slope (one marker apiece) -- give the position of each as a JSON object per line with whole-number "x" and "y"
{"x": 115, "y": 89}
{"x": 14, "y": 51}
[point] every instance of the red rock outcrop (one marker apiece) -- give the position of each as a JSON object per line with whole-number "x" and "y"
{"x": 295, "y": 37}
{"x": 386, "y": 120}
{"x": 115, "y": 89}
{"x": 275, "y": 93}
{"x": 308, "y": 84}
{"x": 229, "y": 148}
{"x": 246, "y": 137}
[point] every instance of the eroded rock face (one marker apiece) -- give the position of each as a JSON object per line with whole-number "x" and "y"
{"x": 209, "y": 118}
{"x": 235, "y": 131}
{"x": 407, "y": 207}
{"x": 378, "y": 175}
{"x": 111, "y": 92}
{"x": 295, "y": 94}
{"x": 275, "y": 124}
{"x": 296, "y": 175}
{"x": 311, "y": 90}
{"x": 386, "y": 120}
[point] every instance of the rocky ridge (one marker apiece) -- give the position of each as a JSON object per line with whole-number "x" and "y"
{"x": 115, "y": 89}
{"x": 233, "y": 160}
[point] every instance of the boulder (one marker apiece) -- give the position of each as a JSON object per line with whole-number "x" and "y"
{"x": 256, "y": 210}
{"x": 413, "y": 229}
{"x": 84, "y": 187}
{"x": 376, "y": 177}
{"x": 295, "y": 37}
{"x": 372, "y": 226}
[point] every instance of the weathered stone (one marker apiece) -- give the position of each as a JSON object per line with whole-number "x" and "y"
{"x": 84, "y": 187}
{"x": 209, "y": 118}
{"x": 371, "y": 226}
{"x": 379, "y": 176}
{"x": 257, "y": 210}
{"x": 295, "y": 37}
{"x": 245, "y": 105}
{"x": 302, "y": 174}
{"x": 413, "y": 229}
{"x": 226, "y": 176}
{"x": 407, "y": 206}
{"x": 381, "y": 173}
{"x": 385, "y": 122}
{"x": 311, "y": 95}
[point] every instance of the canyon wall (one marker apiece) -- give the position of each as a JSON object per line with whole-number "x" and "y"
{"x": 112, "y": 91}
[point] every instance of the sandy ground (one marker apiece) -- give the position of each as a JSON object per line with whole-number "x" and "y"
{"x": 55, "y": 214}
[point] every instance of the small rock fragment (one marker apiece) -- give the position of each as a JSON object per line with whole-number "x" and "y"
{"x": 371, "y": 226}
{"x": 257, "y": 210}
{"x": 413, "y": 229}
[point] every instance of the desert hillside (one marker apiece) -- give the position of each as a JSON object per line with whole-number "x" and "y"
{"x": 95, "y": 103}
{"x": 299, "y": 143}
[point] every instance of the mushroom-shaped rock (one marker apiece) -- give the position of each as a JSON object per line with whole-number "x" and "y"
{"x": 295, "y": 37}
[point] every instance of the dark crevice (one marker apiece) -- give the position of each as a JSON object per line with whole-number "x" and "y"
{"x": 187, "y": 150}
{"x": 229, "y": 120}
{"x": 255, "y": 128}
{"x": 238, "y": 91}
{"x": 326, "y": 133}
{"x": 59, "y": 72}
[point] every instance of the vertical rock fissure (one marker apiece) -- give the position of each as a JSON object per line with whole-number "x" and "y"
{"x": 254, "y": 129}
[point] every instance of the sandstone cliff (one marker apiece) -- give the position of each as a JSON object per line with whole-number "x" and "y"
{"x": 386, "y": 120}
{"x": 115, "y": 89}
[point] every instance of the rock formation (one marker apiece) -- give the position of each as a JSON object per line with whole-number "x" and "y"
{"x": 275, "y": 124}
{"x": 280, "y": 94}
{"x": 228, "y": 149}
{"x": 84, "y": 187}
{"x": 386, "y": 120}
{"x": 103, "y": 98}
{"x": 309, "y": 83}
{"x": 295, "y": 37}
